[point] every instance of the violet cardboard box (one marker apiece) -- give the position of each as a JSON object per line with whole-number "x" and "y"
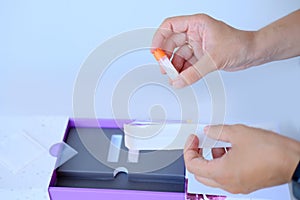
{"x": 104, "y": 168}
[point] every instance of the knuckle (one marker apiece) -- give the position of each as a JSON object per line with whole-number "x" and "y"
{"x": 202, "y": 16}
{"x": 167, "y": 20}
{"x": 233, "y": 190}
{"x": 166, "y": 25}
{"x": 236, "y": 128}
{"x": 239, "y": 126}
{"x": 244, "y": 191}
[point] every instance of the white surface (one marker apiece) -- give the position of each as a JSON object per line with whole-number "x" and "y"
{"x": 273, "y": 193}
{"x": 44, "y": 43}
{"x": 168, "y": 136}
{"x": 26, "y": 165}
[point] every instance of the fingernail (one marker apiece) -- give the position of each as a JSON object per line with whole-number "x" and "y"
{"x": 191, "y": 138}
{"x": 178, "y": 83}
{"x": 206, "y": 129}
{"x": 189, "y": 141}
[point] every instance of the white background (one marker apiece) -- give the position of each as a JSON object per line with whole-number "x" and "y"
{"x": 44, "y": 43}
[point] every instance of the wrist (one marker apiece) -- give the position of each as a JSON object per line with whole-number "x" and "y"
{"x": 261, "y": 49}
{"x": 251, "y": 48}
{"x": 287, "y": 158}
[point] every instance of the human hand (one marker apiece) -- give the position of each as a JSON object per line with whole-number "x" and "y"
{"x": 257, "y": 159}
{"x": 201, "y": 45}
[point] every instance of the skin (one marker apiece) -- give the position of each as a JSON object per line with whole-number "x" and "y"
{"x": 218, "y": 46}
{"x": 257, "y": 159}
{"x": 199, "y": 45}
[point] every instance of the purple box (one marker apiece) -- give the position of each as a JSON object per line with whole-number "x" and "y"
{"x": 59, "y": 192}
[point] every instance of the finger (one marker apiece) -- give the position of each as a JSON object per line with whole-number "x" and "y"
{"x": 218, "y": 152}
{"x": 197, "y": 47}
{"x": 186, "y": 65}
{"x": 159, "y": 37}
{"x": 183, "y": 54}
{"x": 207, "y": 181}
{"x": 174, "y": 41}
{"x": 192, "y": 143}
{"x": 178, "y": 24}
{"x": 192, "y": 74}
{"x": 185, "y": 78}
{"x": 203, "y": 66}
{"x": 219, "y": 132}
{"x": 194, "y": 161}
{"x": 168, "y": 27}
{"x": 189, "y": 63}
{"x": 191, "y": 150}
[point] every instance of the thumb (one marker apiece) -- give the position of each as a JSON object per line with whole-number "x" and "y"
{"x": 192, "y": 143}
{"x": 219, "y": 132}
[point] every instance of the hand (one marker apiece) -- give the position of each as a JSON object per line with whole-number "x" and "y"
{"x": 257, "y": 159}
{"x": 203, "y": 45}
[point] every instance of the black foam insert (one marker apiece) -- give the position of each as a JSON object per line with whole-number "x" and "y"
{"x": 161, "y": 170}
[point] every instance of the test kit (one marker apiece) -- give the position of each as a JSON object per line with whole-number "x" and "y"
{"x": 104, "y": 168}
{"x": 124, "y": 159}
